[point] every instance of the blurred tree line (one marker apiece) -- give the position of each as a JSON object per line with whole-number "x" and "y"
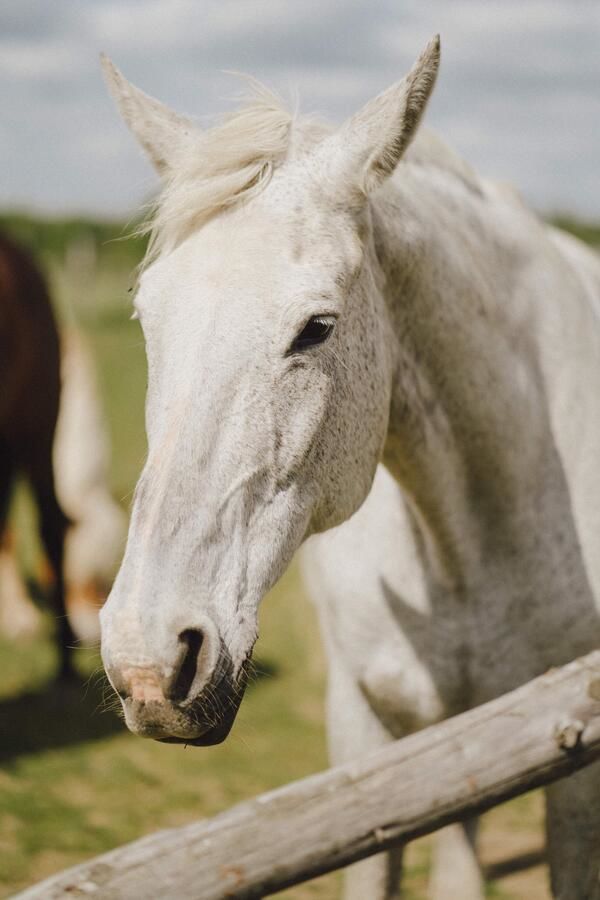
{"x": 113, "y": 243}
{"x": 585, "y": 231}
{"x": 120, "y": 244}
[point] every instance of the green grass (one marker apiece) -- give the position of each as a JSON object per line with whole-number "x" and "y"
{"x": 74, "y": 783}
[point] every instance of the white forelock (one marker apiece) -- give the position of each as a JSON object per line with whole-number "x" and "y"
{"x": 225, "y": 164}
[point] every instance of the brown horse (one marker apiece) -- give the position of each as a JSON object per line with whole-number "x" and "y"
{"x": 29, "y": 399}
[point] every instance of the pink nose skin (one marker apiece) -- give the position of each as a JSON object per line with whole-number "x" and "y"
{"x": 143, "y": 685}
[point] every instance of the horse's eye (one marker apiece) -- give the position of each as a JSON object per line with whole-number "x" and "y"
{"x": 316, "y": 331}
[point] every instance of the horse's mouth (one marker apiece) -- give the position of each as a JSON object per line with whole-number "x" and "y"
{"x": 199, "y": 724}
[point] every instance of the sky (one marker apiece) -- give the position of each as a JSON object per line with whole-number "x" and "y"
{"x": 518, "y": 93}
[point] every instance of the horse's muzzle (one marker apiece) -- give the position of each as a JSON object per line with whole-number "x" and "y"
{"x": 202, "y": 720}
{"x": 194, "y": 700}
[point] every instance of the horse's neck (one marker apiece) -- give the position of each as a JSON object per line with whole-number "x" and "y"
{"x": 461, "y": 388}
{"x": 480, "y": 432}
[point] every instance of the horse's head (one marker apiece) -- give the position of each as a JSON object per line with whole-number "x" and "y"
{"x": 269, "y": 385}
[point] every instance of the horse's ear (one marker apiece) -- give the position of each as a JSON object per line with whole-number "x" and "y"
{"x": 370, "y": 144}
{"x": 160, "y": 131}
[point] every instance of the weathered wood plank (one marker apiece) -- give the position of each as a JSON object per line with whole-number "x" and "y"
{"x": 530, "y": 737}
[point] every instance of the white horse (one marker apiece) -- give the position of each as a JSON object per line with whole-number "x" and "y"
{"x": 96, "y": 535}
{"x": 317, "y": 302}
{"x": 94, "y": 542}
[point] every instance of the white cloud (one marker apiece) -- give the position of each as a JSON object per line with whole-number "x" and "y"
{"x": 36, "y": 59}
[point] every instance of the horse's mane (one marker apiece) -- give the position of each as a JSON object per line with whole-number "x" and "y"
{"x": 219, "y": 167}
{"x": 430, "y": 151}
{"x": 234, "y": 160}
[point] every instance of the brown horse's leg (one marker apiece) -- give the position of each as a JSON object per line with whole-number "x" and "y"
{"x": 18, "y": 615}
{"x": 53, "y": 525}
{"x": 7, "y": 473}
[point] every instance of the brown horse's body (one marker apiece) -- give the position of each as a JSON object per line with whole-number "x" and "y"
{"x": 29, "y": 399}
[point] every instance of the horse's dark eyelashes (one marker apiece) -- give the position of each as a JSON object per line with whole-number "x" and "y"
{"x": 316, "y": 331}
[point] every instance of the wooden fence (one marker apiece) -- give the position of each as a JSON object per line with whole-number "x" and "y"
{"x": 536, "y": 734}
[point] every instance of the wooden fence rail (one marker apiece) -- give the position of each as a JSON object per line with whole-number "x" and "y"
{"x": 465, "y": 765}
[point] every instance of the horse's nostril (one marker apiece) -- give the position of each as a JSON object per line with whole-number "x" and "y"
{"x": 179, "y": 688}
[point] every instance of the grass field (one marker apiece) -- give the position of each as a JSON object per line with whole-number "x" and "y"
{"x": 74, "y": 783}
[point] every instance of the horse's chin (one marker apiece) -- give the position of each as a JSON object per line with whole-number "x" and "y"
{"x": 210, "y": 738}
